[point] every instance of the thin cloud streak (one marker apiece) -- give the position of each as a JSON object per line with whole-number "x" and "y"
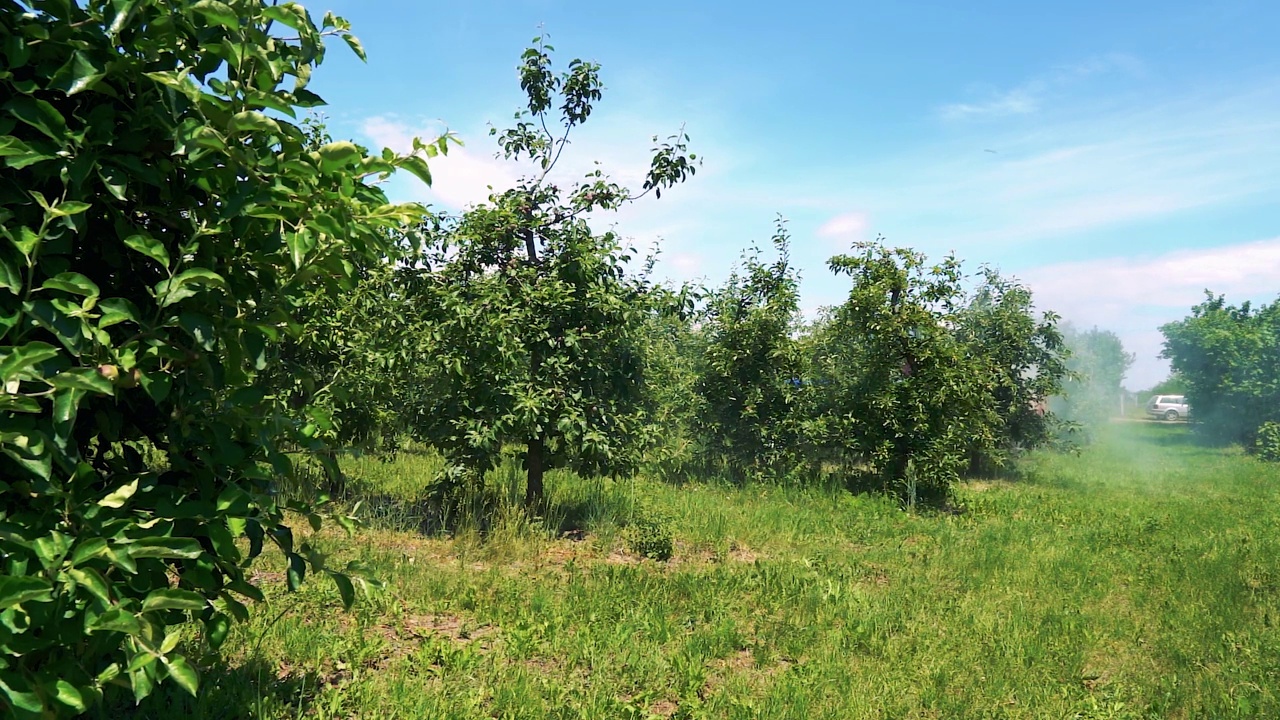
{"x": 1091, "y": 171}
{"x": 1031, "y": 95}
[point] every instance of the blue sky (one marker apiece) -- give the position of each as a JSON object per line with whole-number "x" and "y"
{"x": 1137, "y": 144}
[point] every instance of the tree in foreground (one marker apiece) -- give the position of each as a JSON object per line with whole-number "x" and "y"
{"x": 538, "y": 320}
{"x": 158, "y": 229}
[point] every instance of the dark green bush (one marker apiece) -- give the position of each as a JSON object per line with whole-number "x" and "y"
{"x": 649, "y": 535}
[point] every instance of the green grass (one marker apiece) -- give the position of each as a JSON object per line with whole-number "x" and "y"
{"x": 1136, "y": 580}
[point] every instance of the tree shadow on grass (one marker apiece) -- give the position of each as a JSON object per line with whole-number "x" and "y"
{"x": 565, "y": 511}
{"x": 252, "y": 689}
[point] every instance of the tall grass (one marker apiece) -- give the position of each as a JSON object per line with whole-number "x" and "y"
{"x": 1137, "y": 579}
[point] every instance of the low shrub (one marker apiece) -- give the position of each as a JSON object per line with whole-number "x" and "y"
{"x": 649, "y": 535}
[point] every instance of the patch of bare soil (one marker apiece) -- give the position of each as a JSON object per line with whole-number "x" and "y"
{"x": 664, "y": 708}
{"x": 742, "y": 664}
{"x": 452, "y": 628}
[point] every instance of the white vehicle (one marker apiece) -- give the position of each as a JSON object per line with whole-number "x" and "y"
{"x": 1168, "y": 407}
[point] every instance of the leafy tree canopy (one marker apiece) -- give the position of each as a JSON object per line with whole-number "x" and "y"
{"x": 162, "y": 215}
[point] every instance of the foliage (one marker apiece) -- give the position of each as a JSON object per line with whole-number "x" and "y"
{"x": 1091, "y": 393}
{"x": 535, "y": 322}
{"x": 674, "y": 352}
{"x": 920, "y": 380}
{"x": 902, "y": 387}
{"x": 159, "y": 229}
{"x": 751, "y": 408}
{"x": 1267, "y": 444}
{"x": 356, "y": 357}
{"x": 1023, "y": 355}
{"x": 648, "y": 535}
{"x": 1228, "y": 357}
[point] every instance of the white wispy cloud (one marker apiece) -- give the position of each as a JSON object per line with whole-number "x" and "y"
{"x": 1018, "y": 101}
{"x": 1099, "y": 167}
{"x": 845, "y": 228}
{"x": 1029, "y": 96}
{"x": 466, "y": 176}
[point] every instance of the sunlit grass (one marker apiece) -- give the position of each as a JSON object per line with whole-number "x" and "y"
{"x": 1136, "y": 580}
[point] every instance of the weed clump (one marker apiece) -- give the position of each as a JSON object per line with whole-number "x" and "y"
{"x": 649, "y": 535}
{"x": 1267, "y": 445}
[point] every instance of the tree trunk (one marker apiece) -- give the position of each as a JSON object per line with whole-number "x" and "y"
{"x": 534, "y": 462}
{"x": 533, "y": 491}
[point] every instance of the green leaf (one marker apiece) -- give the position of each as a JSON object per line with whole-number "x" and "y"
{"x": 92, "y": 581}
{"x": 300, "y": 245}
{"x": 177, "y": 80}
{"x": 173, "y": 599}
{"x": 116, "y": 181}
{"x": 51, "y": 549}
{"x": 142, "y": 684}
{"x": 183, "y": 674}
{"x": 417, "y": 166}
{"x": 156, "y": 385}
{"x": 124, "y": 12}
{"x": 10, "y": 276}
{"x": 186, "y": 285}
{"x": 68, "y": 695}
{"x": 120, "y": 558}
{"x": 83, "y": 379}
{"x": 355, "y": 45}
{"x": 233, "y": 501}
{"x": 328, "y": 225}
{"x": 56, "y": 316}
{"x": 255, "y": 122}
{"x": 149, "y": 246}
{"x": 345, "y": 589}
{"x": 338, "y": 155}
{"x": 165, "y": 547}
{"x": 88, "y": 550}
{"x": 31, "y": 451}
{"x": 26, "y": 241}
{"x": 201, "y": 330}
{"x": 218, "y": 12}
{"x": 115, "y": 311}
{"x": 216, "y": 629}
{"x": 116, "y": 620}
{"x": 18, "y": 154}
{"x": 119, "y": 496}
{"x": 68, "y": 208}
{"x": 22, "y": 699}
{"x": 290, "y": 14}
{"x": 20, "y": 404}
{"x": 72, "y": 282}
{"x": 297, "y": 571}
{"x": 40, "y": 115}
{"x": 18, "y": 589}
{"x": 23, "y": 357}
{"x": 77, "y": 74}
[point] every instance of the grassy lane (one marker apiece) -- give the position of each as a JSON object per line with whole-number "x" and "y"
{"x": 1136, "y": 580}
